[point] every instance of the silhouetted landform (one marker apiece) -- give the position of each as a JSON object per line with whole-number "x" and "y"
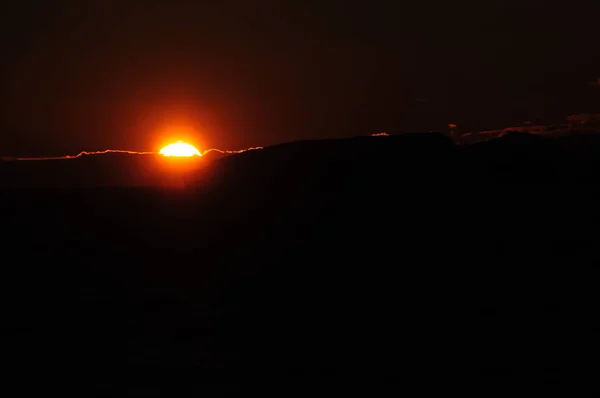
{"x": 553, "y": 158}
{"x": 400, "y": 259}
{"x": 101, "y": 170}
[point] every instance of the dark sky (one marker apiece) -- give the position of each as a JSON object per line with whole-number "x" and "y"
{"x": 87, "y": 75}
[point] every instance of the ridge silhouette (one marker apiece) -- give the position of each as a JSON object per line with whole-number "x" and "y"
{"x": 391, "y": 259}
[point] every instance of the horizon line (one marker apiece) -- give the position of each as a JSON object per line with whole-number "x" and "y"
{"x": 123, "y": 151}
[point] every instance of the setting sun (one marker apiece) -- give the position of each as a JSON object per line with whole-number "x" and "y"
{"x": 180, "y": 149}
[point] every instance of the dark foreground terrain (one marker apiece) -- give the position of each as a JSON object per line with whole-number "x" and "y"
{"x": 354, "y": 264}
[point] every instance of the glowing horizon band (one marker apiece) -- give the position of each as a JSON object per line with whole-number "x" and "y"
{"x": 106, "y": 151}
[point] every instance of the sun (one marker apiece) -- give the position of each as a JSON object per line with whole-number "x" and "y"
{"x": 180, "y": 148}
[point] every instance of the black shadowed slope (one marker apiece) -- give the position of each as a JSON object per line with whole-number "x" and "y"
{"x": 401, "y": 259}
{"x": 100, "y": 171}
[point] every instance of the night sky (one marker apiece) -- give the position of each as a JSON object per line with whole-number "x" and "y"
{"x": 90, "y": 75}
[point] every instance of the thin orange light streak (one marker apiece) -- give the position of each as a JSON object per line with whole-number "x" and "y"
{"x": 85, "y": 153}
{"x": 231, "y": 152}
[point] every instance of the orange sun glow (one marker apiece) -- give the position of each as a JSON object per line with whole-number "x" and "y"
{"x": 180, "y": 149}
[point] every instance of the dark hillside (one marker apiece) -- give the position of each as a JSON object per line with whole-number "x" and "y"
{"x": 397, "y": 259}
